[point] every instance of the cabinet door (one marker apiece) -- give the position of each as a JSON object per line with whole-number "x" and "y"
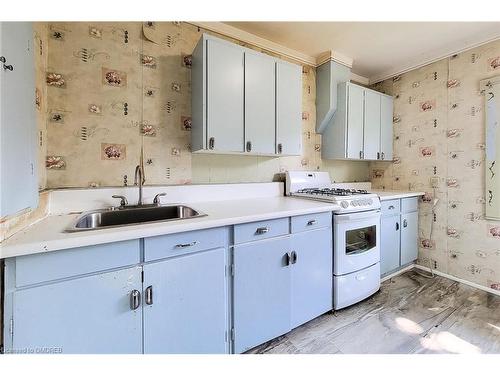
{"x": 312, "y": 275}
{"x": 386, "y": 110}
{"x": 261, "y": 292}
{"x": 260, "y": 107}
{"x": 355, "y": 122}
{"x": 288, "y": 108}
{"x": 185, "y": 307}
{"x": 86, "y": 315}
{"x": 371, "y": 131}
{"x": 17, "y": 119}
{"x": 389, "y": 243}
{"x": 225, "y": 96}
{"x": 409, "y": 241}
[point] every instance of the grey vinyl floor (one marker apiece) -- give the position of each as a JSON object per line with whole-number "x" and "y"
{"x": 410, "y": 314}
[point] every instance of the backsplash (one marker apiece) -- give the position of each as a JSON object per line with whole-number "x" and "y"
{"x": 439, "y": 134}
{"x": 113, "y": 88}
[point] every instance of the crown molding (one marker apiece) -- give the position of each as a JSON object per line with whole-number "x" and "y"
{"x": 254, "y": 40}
{"x": 269, "y": 46}
{"x": 333, "y": 56}
{"x": 395, "y": 72}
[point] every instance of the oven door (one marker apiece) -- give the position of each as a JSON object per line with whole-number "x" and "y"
{"x": 356, "y": 241}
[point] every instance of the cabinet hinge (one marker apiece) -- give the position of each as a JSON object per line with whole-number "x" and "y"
{"x": 232, "y": 334}
{"x": 11, "y": 327}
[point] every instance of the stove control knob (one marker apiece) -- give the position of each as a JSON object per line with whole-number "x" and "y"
{"x": 370, "y": 202}
{"x": 344, "y": 204}
{"x": 353, "y": 203}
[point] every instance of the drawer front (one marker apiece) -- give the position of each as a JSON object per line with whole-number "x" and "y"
{"x": 309, "y": 222}
{"x": 409, "y": 204}
{"x": 170, "y": 245}
{"x": 260, "y": 230}
{"x": 38, "y": 268}
{"x": 390, "y": 207}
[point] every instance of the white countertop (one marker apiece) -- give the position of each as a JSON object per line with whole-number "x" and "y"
{"x": 48, "y": 234}
{"x": 385, "y": 195}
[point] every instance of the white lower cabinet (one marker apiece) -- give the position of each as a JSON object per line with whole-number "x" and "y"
{"x": 261, "y": 292}
{"x": 185, "y": 304}
{"x": 86, "y": 315}
{"x": 311, "y": 275}
{"x": 398, "y": 234}
{"x": 282, "y": 282}
{"x": 409, "y": 237}
{"x": 390, "y": 242}
{"x": 177, "y": 293}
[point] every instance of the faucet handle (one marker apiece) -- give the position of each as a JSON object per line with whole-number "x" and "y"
{"x": 156, "y": 199}
{"x": 123, "y": 200}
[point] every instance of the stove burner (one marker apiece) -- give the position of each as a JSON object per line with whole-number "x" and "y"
{"x": 330, "y": 192}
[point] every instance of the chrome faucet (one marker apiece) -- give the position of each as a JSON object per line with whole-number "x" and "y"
{"x": 139, "y": 180}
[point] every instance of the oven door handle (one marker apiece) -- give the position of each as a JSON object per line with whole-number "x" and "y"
{"x": 341, "y": 218}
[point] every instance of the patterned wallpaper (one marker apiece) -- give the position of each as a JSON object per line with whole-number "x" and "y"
{"x": 116, "y": 87}
{"x": 439, "y": 135}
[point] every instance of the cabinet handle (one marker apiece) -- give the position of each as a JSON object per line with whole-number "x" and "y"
{"x": 293, "y": 257}
{"x": 211, "y": 143}
{"x": 287, "y": 259}
{"x": 391, "y": 207}
{"x": 249, "y": 146}
{"x": 405, "y": 223}
{"x": 397, "y": 226}
{"x": 135, "y": 299}
{"x": 3, "y": 59}
{"x": 378, "y": 155}
{"x": 8, "y": 67}
{"x": 149, "y": 295}
{"x": 361, "y": 154}
{"x": 262, "y": 230}
{"x": 382, "y": 156}
{"x": 182, "y": 245}
{"x": 280, "y": 148}
{"x": 311, "y": 222}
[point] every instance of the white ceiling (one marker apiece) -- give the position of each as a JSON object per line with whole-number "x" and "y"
{"x": 379, "y": 49}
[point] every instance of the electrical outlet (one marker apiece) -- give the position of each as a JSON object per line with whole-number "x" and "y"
{"x": 434, "y": 182}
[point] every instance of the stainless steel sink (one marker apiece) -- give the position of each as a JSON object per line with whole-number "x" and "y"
{"x": 131, "y": 215}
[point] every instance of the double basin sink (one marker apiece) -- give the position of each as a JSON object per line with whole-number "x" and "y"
{"x": 131, "y": 215}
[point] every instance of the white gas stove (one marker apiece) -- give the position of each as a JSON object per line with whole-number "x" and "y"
{"x": 356, "y": 234}
{"x": 317, "y": 186}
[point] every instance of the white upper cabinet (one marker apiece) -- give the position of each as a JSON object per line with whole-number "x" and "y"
{"x": 225, "y": 91}
{"x": 371, "y": 134}
{"x": 355, "y": 122}
{"x": 288, "y": 108}
{"x": 386, "y": 109}
{"x": 18, "y": 148}
{"x": 243, "y": 101}
{"x": 361, "y": 128}
{"x": 260, "y": 103}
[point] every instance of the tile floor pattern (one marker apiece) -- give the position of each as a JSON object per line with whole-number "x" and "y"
{"x": 410, "y": 314}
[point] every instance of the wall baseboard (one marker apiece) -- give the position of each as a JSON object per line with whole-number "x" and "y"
{"x": 398, "y": 272}
{"x": 454, "y": 278}
{"x": 442, "y": 274}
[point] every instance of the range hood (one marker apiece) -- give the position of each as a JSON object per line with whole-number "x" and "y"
{"x": 330, "y": 72}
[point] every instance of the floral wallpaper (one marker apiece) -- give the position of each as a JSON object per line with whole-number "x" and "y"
{"x": 114, "y": 88}
{"x": 439, "y": 140}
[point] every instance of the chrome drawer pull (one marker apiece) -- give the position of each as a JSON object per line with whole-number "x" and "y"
{"x": 149, "y": 295}
{"x": 311, "y": 222}
{"x": 135, "y": 299}
{"x": 187, "y": 244}
{"x": 262, "y": 230}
